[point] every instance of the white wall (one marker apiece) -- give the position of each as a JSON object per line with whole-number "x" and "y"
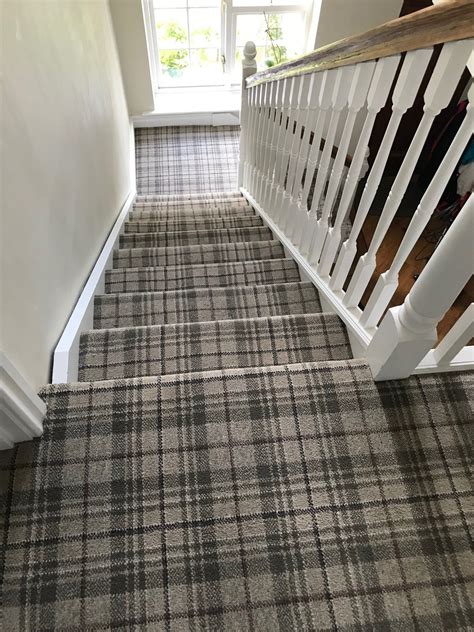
{"x": 130, "y": 34}
{"x": 64, "y": 164}
{"x": 341, "y": 18}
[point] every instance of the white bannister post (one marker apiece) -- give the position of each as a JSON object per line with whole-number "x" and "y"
{"x": 249, "y": 67}
{"x": 457, "y": 337}
{"x": 408, "y": 332}
{"x": 448, "y": 70}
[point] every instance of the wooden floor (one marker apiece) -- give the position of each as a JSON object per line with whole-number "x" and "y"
{"x": 413, "y": 266}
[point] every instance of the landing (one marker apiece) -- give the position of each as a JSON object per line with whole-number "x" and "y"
{"x": 200, "y": 159}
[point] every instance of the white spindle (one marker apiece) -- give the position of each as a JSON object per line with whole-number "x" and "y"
{"x": 408, "y": 332}
{"x": 408, "y": 83}
{"x": 249, "y": 67}
{"x": 457, "y": 337}
{"x": 290, "y": 132}
{"x": 338, "y": 103}
{"x": 254, "y": 92}
{"x": 301, "y": 111}
{"x": 269, "y": 180}
{"x": 379, "y": 90}
{"x": 262, "y": 137}
{"x": 304, "y": 155}
{"x": 359, "y": 87}
{"x": 325, "y": 99}
{"x": 388, "y": 281}
{"x": 254, "y": 133}
{"x": 285, "y": 112}
{"x": 268, "y": 133}
{"x": 444, "y": 80}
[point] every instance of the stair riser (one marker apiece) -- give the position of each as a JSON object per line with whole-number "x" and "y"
{"x": 183, "y": 277}
{"x": 195, "y": 255}
{"x": 149, "y": 226}
{"x": 191, "y": 238}
{"x": 134, "y": 310}
{"x": 209, "y": 346}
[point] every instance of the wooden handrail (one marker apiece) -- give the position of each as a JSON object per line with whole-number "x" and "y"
{"x": 444, "y": 22}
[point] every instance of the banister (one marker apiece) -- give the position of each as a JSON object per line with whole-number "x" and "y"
{"x": 444, "y": 22}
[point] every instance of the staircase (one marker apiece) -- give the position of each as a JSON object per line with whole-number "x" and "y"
{"x": 223, "y": 463}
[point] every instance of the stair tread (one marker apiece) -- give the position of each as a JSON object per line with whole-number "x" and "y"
{"x": 191, "y": 211}
{"x": 203, "y": 304}
{"x": 162, "y": 278}
{"x": 151, "y": 226}
{"x": 196, "y": 254}
{"x": 196, "y": 237}
{"x": 204, "y": 346}
{"x": 212, "y": 195}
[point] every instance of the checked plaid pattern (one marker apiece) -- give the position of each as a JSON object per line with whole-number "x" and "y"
{"x": 205, "y": 346}
{"x": 175, "y": 160}
{"x": 188, "y": 212}
{"x": 197, "y": 254}
{"x": 214, "y": 223}
{"x": 283, "y": 498}
{"x": 195, "y": 237}
{"x": 203, "y": 275}
{"x": 185, "y": 197}
{"x": 203, "y": 304}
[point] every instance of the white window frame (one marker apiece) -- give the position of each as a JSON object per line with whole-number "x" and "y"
{"x": 229, "y": 14}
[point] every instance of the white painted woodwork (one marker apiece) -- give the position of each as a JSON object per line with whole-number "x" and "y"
{"x": 360, "y": 83}
{"x": 249, "y": 67}
{"x": 21, "y": 410}
{"x": 457, "y": 337}
{"x": 66, "y": 353}
{"x": 325, "y": 99}
{"x": 387, "y": 283}
{"x": 442, "y": 84}
{"x": 286, "y": 124}
{"x": 339, "y": 102}
{"x": 408, "y": 332}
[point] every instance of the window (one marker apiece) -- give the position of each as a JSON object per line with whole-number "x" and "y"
{"x": 200, "y": 42}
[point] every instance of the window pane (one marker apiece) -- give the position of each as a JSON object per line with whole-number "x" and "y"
{"x": 268, "y": 3}
{"x": 172, "y": 28}
{"x": 173, "y": 63}
{"x": 205, "y": 27}
{"x": 281, "y": 35}
{"x": 169, "y": 4}
{"x": 205, "y": 3}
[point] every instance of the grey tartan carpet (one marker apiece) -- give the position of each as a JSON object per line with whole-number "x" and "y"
{"x": 282, "y": 498}
{"x": 203, "y": 346}
{"x": 175, "y": 160}
{"x": 223, "y": 465}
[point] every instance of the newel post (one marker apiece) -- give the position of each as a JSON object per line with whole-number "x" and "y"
{"x": 249, "y": 67}
{"x": 408, "y": 332}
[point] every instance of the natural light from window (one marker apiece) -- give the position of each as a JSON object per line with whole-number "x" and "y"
{"x": 200, "y": 42}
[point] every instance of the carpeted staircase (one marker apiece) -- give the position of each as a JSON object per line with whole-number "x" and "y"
{"x": 223, "y": 463}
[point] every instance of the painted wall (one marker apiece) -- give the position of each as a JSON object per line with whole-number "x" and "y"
{"x": 65, "y": 167}
{"x": 130, "y": 34}
{"x": 336, "y": 19}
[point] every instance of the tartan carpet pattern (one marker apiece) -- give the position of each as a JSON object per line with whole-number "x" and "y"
{"x": 212, "y": 223}
{"x": 203, "y": 275}
{"x": 286, "y": 498}
{"x": 195, "y": 237}
{"x": 203, "y": 304}
{"x": 175, "y": 160}
{"x": 197, "y": 254}
{"x": 185, "y": 197}
{"x": 205, "y": 346}
{"x": 190, "y": 211}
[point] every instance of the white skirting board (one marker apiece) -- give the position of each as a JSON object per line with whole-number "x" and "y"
{"x": 21, "y": 410}
{"x": 66, "y": 353}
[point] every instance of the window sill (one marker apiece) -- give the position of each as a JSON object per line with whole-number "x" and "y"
{"x": 193, "y": 106}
